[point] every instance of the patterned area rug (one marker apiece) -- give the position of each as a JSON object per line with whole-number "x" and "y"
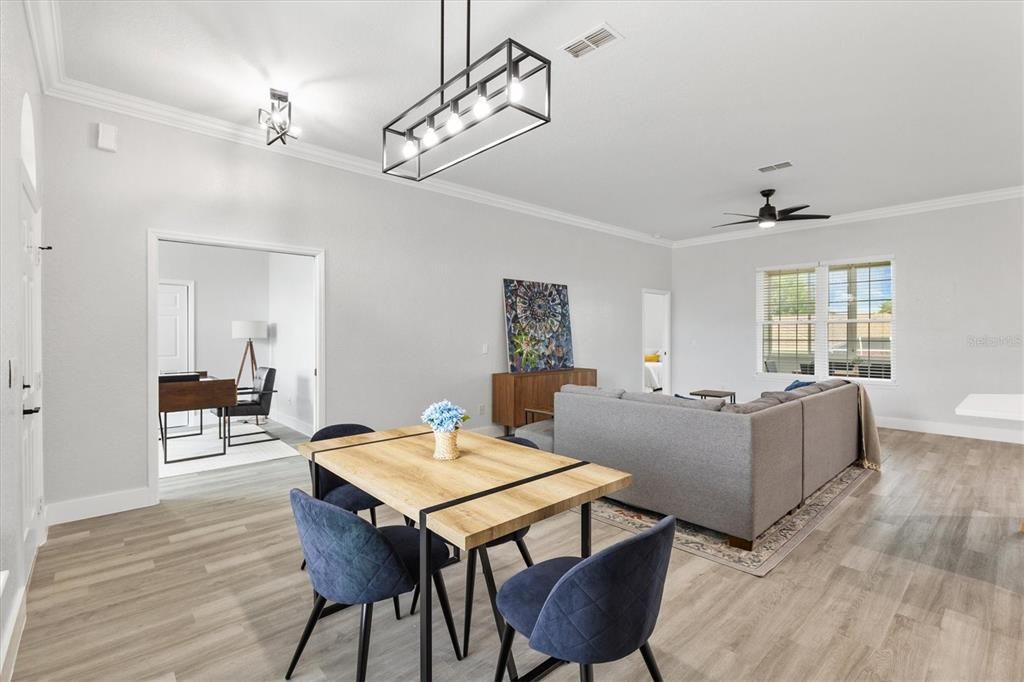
{"x": 770, "y": 548}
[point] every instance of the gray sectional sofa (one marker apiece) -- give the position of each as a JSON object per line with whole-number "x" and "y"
{"x": 732, "y": 468}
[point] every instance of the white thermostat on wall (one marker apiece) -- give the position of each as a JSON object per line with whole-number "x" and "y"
{"x": 106, "y": 137}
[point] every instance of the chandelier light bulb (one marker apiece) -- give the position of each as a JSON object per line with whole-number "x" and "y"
{"x": 515, "y": 90}
{"x": 430, "y": 137}
{"x": 278, "y": 117}
{"x": 454, "y": 123}
{"x": 409, "y": 148}
{"x": 481, "y": 108}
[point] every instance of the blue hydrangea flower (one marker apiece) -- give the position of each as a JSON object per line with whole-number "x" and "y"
{"x": 444, "y": 416}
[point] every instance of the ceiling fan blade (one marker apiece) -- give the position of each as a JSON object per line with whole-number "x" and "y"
{"x": 806, "y": 216}
{"x": 745, "y": 215}
{"x": 738, "y": 222}
{"x": 793, "y": 209}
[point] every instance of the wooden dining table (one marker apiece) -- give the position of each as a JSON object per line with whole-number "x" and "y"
{"x": 492, "y": 489}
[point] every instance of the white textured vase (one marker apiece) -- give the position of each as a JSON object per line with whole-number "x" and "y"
{"x": 446, "y": 445}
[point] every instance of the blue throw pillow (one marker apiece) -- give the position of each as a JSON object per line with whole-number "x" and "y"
{"x": 684, "y": 397}
{"x": 798, "y": 384}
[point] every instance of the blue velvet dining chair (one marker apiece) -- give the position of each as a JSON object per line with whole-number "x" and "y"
{"x": 592, "y": 610}
{"x": 336, "y": 490}
{"x": 349, "y": 561}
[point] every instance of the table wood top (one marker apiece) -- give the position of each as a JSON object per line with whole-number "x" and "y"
{"x": 397, "y": 467}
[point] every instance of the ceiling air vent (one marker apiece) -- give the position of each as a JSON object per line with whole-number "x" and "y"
{"x": 593, "y": 39}
{"x": 775, "y": 167}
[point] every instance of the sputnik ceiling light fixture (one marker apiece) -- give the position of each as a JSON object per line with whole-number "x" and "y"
{"x": 501, "y": 95}
{"x": 278, "y": 121}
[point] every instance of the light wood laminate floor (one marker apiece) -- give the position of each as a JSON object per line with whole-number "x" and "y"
{"x": 919, "y": 575}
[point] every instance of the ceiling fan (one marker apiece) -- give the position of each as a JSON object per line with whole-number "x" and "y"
{"x": 767, "y": 216}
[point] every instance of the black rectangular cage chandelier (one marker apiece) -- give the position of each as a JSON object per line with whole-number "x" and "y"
{"x": 501, "y": 95}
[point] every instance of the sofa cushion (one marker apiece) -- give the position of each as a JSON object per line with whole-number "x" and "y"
{"x": 594, "y": 390}
{"x": 797, "y": 384}
{"x": 832, "y": 383}
{"x": 753, "y": 406}
{"x": 781, "y": 396}
{"x": 542, "y": 433}
{"x": 662, "y": 399}
{"x": 804, "y": 391}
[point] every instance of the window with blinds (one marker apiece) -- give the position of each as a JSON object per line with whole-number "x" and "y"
{"x": 788, "y": 321}
{"x": 860, "y": 320}
{"x": 828, "y": 320}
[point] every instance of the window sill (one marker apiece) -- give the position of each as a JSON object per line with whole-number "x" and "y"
{"x": 781, "y": 376}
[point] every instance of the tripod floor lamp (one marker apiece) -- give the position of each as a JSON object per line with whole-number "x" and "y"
{"x": 248, "y": 330}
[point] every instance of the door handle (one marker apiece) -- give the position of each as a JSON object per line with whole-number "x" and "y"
{"x": 34, "y": 410}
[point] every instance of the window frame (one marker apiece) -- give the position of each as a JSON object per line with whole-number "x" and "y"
{"x": 821, "y": 318}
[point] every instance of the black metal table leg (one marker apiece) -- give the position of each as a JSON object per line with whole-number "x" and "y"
{"x": 426, "y": 571}
{"x": 585, "y": 530}
{"x": 492, "y": 593}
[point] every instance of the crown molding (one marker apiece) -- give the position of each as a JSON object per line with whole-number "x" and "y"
{"x": 1004, "y": 194}
{"x": 44, "y": 28}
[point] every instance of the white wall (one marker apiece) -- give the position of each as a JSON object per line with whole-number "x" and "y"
{"x": 958, "y": 275}
{"x": 291, "y": 309}
{"x": 18, "y": 76}
{"x": 413, "y": 284}
{"x": 230, "y": 284}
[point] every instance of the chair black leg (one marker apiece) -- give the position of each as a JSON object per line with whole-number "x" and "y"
{"x": 521, "y": 544}
{"x": 652, "y": 665}
{"x": 506, "y": 649}
{"x": 398, "y": 609}
{"x": 470, "y": 580}
{"x": 446, "y": 609}
{"x": 364, "y": 641}
{"x": 586, "y": 672}
{"x": 303, "y": 566}
{"x": 373, "y": 516}
{"x": 314, "y": 616}
{"x": 492, "y": 594}
{"x": 415, "y": 598}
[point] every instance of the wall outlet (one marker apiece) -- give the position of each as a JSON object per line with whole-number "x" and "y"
{"x": 481, "y": 409}
{"x": 485, "y": 350}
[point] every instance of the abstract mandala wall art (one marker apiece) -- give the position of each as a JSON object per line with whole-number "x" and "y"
{"x": 537, "y": 326}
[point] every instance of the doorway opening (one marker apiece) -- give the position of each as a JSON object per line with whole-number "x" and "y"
{"x": 657, "y": 341}
{"x": 235, "y": 349}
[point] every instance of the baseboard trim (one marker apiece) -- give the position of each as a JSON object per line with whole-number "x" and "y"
{"x": 949, "y": 429}
{"x": 293, "y": 423}
{"x": 100, "y": 505}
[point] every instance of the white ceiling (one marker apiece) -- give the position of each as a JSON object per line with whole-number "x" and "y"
{"x": 876, "y": 104}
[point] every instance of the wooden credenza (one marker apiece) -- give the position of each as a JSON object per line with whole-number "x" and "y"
{"x": 515, "y": 392}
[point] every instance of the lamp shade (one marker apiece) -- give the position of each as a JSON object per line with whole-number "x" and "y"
{"x": 248, "y": 329}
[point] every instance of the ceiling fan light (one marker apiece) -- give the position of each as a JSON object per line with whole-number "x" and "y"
{"x": 765, "y": 224}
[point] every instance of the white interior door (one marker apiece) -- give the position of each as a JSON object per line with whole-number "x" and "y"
{"x": 31, "y": 362}
{"x": 657, "y": 338}
{"x": 175, "y": 336}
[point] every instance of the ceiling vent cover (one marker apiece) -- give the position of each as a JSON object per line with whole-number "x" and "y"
{"x": 591, "y": 40}
{"x": 775, "y": 167}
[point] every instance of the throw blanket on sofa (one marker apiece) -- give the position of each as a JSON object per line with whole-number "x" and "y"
{"x": 870, "y": 446}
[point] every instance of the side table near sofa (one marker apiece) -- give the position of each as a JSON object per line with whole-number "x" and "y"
{"x": 706, "y": 393}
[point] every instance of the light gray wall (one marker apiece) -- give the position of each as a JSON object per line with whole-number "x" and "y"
{"x": 18, "y": 76}
{"x": 291, "y": 309}
{"x": 230, "y": 284}
{"x": 413, "y": 283}
{"x": 957, "y": 275}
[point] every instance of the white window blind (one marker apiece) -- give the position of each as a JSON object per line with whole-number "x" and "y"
{"x": 860, "y": 320}
{"x": 827, "y": 320}
{"x": 787, "y": 320}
